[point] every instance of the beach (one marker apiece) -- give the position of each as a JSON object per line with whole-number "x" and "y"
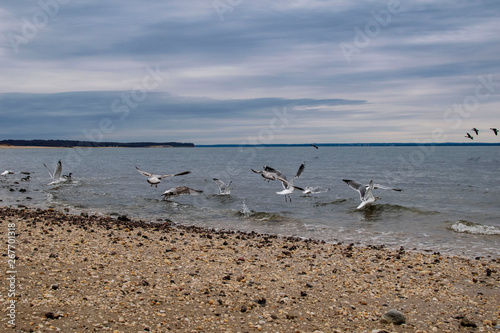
{"x": 80, "y": 273}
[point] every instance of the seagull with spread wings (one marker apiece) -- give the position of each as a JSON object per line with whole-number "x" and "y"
{"x": 156, "y": 179}
{"x": 224, "y": 189}
{"x": 288, "y": 186}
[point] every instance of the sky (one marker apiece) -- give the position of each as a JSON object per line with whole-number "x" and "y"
{"x": 250, "y": 72}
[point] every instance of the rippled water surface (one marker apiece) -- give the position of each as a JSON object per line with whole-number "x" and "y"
{"x": 450, "y": 202}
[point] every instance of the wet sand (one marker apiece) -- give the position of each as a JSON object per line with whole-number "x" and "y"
{"x": 88, "y": 273}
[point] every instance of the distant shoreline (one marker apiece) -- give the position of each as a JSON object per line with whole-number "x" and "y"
{"x": 38, "y": 143}
{"x": 55, "y": 147}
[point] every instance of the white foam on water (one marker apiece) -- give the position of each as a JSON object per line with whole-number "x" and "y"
{"x": 474, "y": 228}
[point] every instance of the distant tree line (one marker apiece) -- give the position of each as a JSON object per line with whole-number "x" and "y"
{"x": 75, "y": 143}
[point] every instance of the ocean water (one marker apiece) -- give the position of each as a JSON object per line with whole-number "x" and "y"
{"x": 450, "y": 201}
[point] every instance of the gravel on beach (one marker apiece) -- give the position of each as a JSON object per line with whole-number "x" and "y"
{"x": 80, "y": 273}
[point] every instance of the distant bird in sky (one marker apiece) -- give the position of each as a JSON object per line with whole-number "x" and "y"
{"x": 469, "y": 136}
{"x": 156, "y": 179}
{"x": 224, "y": 189}
{"x": 475, "y": 130}
{"x": 494, "y": 130}
{"x": 315, "y": 146}
{"x": 180, "y": 190}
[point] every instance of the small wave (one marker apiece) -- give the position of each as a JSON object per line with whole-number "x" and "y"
{"x": 463, "y": 226}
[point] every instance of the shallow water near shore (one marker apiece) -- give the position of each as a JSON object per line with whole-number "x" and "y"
{"x": 449, "y": 204}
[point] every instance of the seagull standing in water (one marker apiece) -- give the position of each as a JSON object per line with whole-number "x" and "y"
{"x": 56, "y": 176}
{"x": 288, "y": 186}
{"x": 224, "y": 189}
{"x": 156, "y": 179}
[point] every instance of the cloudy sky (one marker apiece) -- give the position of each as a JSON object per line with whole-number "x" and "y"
{"x": 240, "y": 71}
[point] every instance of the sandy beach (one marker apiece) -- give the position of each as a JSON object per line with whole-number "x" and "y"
{"x": 72, "y": 273}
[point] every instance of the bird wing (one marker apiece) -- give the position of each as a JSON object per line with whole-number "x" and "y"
{"x": 357, "y": 187}
{"x": 383, "y": 187}
{"x": 193, "y": 191}
{"x": 50, "y": 173}
{"x": 300, "y": 170}
{"x": 219, "y": 183}
{"x": 272, "y": 170}
{"x": 173, "y": 175}
{"x": 353, "y": 184}
{"x": 147, "y": 174}
{"x": 57, "y": 172}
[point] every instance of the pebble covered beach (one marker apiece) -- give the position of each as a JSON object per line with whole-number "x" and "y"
{"x": 81, "y": 273}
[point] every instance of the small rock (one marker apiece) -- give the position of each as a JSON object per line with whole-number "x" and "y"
{"x": 51, "y": 315}
{"x": 466, "y": 322}
{"x": 393, "y": 317}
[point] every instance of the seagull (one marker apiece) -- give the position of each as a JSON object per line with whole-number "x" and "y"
{"x": 469, "y": 136}
{"x": 494, "y": 130}
{"x": 362, "y": 189}
{"x": 56, "y": 176}
{"x": 223, "y": 188}
{"x": 475, "y": 130}
{"x": 156, "y": 179}
{"x": 288, "y": 186}
{"x": 314, "y": 190}
{"x": 179, "y": 190}
{"x": 269, "y": 173}
{"x": 365, "y": 192}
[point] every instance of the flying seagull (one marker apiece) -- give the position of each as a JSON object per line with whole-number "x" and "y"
{"x": 315, "y": 146}
{"x": 56, "y": 176}
{"x": 475, "y": 130}
{"x": 224, "y": 189}
{"x": 179, "y": 190}
{"x": 314, "y": 190}
{"x": 269, "y": 173}
{"x": 362, "y": 189}
{"x": 288, "y": 186}
{"x": 365, "y": 192}
{"x": 469, "y": 136}
{"x": 156, "y": 179}
{"x": 494, "y": 130}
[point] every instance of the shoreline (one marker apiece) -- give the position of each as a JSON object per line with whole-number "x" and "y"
{"x": 80, "y": 272}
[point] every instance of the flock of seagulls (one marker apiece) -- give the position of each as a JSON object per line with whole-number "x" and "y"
{"x": 365, "y": 191}
{"x": 475, "y": 130}
{"x": 268, "y": 173}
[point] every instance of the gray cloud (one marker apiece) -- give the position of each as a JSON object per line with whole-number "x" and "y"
{"x": 413, "y": 64}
